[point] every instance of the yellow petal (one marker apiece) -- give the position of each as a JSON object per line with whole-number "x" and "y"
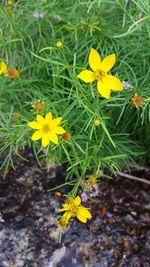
{"x": 64, "y": 209}
{"x": 67, "y": 215}
{"x": 53, "y": 137}
{"x": 37, "y": 135}
{"x": 87, "y": 76}
{"x": 66, "y": 206}
{"x": 45, "y": 140}
{"x": 108, "y": 62}
{"x": 56, "y": 121}
{"x": 58, "y": 130}
{"x": 48, "y": 117}
{"x": 103, "y": 89}
{"x": 40, "y": 119}
{"x": 81, "y": 218}
{"x": 84, "y": 212}
{"x": 3, "y": 68}
{"x": 34, "y": 125}
{"x": 113, "y": 82}
{"x": 94, "y": 60}
{"x": 77, "y": 201}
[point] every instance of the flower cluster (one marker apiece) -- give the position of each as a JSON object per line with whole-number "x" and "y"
{"x": 48, "y": 129}
{"x": 70, "y": 90}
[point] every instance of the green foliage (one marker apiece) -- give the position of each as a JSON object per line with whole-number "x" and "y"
{"x": 49, "y": 74}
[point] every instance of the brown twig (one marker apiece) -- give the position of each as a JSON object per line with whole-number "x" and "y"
{"x": 141, "y": 168}
{"x": 132, "y": 177}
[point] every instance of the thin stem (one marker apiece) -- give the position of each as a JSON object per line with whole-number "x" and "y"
{"x": 132, "y": 177}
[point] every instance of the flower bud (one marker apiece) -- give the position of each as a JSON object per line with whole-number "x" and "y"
{"x": 66, "y": 136}
{"x": 137, "y": 101}
{"x": 13, "y": 73}
{"x": 38, "y": 106}
{"x": 97, "y": 122}
{"x": 59, "y": 44}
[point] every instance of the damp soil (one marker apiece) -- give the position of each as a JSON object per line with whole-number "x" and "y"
{"x": 118, "y": 234}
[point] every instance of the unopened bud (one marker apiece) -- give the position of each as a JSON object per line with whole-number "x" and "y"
{"x": 66, "y": 136}
{"x": 137, "y": 101}
{"x": 97, "y": 122}
{"x": 59, "y": 44}
{"x": 13, "y": 73}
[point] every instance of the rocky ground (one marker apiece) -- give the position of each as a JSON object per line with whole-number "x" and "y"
{"x": 118, "y": 234}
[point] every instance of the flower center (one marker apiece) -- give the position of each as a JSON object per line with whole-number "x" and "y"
{"x": 74, "y": 210}
{"x": 72, "y": 207}
{"x": 45, "y": 129}
{"x": 99, "y": 74}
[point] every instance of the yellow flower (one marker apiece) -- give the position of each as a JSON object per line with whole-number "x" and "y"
{"x": 3, "y": 68}
{"x": 47, "y": 129}
{"x": 137, "y": 101}
{"x": 105, "y": 81}
{"x": 13, "y": 73}
{"x": 73, "y": 208}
